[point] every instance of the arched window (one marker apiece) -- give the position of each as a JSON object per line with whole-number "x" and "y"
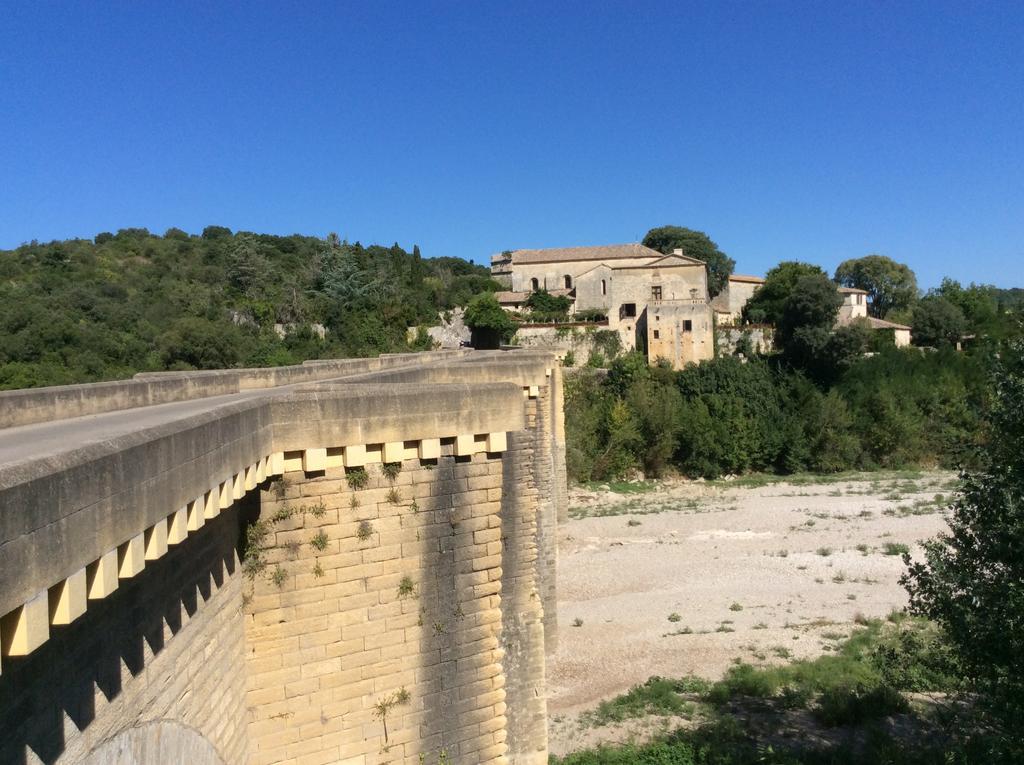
{"x": 604, "y": 287}
{"x": 568, "y": 282}
{"x": 534, "y": 284}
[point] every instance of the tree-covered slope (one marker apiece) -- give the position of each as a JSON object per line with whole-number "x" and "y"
{"x": 81, "y": 310}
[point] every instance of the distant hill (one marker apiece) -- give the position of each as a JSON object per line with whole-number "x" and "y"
{"x": 81, "y": 310}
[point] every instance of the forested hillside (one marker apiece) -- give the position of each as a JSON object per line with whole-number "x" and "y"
{"x": 81, "y": 310}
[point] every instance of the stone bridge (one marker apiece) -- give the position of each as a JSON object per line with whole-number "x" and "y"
{"x": 346, "y": 561}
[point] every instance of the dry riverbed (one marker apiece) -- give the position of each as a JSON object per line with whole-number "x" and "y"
{"x": 686, "y": 578}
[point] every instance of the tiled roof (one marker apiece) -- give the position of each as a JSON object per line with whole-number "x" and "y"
{"x": 883, "y": 324}
{"x": 851, "y": 291}
{"x": 745, "y": 278}
{"x": 566, "y": 254}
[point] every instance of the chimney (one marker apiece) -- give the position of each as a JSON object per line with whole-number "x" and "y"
{"x": 677, "y": 251}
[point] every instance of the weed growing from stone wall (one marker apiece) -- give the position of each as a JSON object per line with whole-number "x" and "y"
{"x": 390, "y": 470}
{"x": 383, "y": 707}
{"x": 406, "y": 587}
{"x": 394, "y": 497}
{"x": 319, "y": 542}
{"x": 365, "y": 531}
{"x": 357, "y": 478}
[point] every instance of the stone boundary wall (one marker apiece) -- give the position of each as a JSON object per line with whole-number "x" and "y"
{"x": 561, "y": 340}
{"x": 761, "y": 338}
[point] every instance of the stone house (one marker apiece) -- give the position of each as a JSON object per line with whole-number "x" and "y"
{"x": 658, "y": 304}
{"x": 728, "y": 304}
{"x": 855, "y": 306}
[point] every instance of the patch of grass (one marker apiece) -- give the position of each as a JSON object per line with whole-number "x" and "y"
{"x": 657, "y": 696}
{"x": 632, "y": 522}
{"x": 895, "y": 548}
{"x": 623, "y": 487}
{"x": 858, "y": 704}
{"x": 735, "y": 607}
{"x": 824, "y": 551}
{"x": 577, "y": 622}
{"x": 674, "y": 617}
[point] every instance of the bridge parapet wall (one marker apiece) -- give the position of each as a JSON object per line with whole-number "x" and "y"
{"x": 477, "y": 444}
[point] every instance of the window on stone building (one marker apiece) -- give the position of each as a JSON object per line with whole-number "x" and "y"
{"x": 657, "y": 334}
{"x": 687, "y": 325}
{"x": 604, "y": 287}
{"x": 568, "y": 281}
{"x": 628, "y": 310}
{"x": 534, "y": 284}
{"x": 656, "y": 293}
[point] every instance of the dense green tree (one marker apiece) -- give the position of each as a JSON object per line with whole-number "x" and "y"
{"x": 890, "y": 285}
{"x": 489, "y": 322}
{"x": 979, "y": 305}
{"x": 694, "y": 244}
{"x": 804, "y": 332}
{"x": 547, "y": 307}
{"x": 937, "y": 322}
{"x": 765, "y": 306}
{"x": 971, "y": 580}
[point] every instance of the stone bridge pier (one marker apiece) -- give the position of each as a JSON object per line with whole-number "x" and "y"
{"x": 342, "y": 562}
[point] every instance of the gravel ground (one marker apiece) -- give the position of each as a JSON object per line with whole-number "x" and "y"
{"x": 690, "y": 576}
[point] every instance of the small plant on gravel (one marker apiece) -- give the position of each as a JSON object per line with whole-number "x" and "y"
{"x": 760, "y": 626}
{"x": 862, "y": 549}
{"x": 406, "y": 587}
{"x": 390, "y": 470}
{"x": 735, "y": 607}
{"x": 357, "y": 478}
{"x": 824, "y": 552}
{"x": 365, "y": 531}
{"x": 895, "y": 548}
{"x": 674, "y": 617}
{"x": 319, "y": 542}
{"x": 632, "y": 522}
{"x": 723, "y": 627}
{"x": 577, "y": 622}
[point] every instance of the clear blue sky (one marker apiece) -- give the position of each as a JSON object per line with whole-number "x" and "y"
{"x": 816, "y": 131}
